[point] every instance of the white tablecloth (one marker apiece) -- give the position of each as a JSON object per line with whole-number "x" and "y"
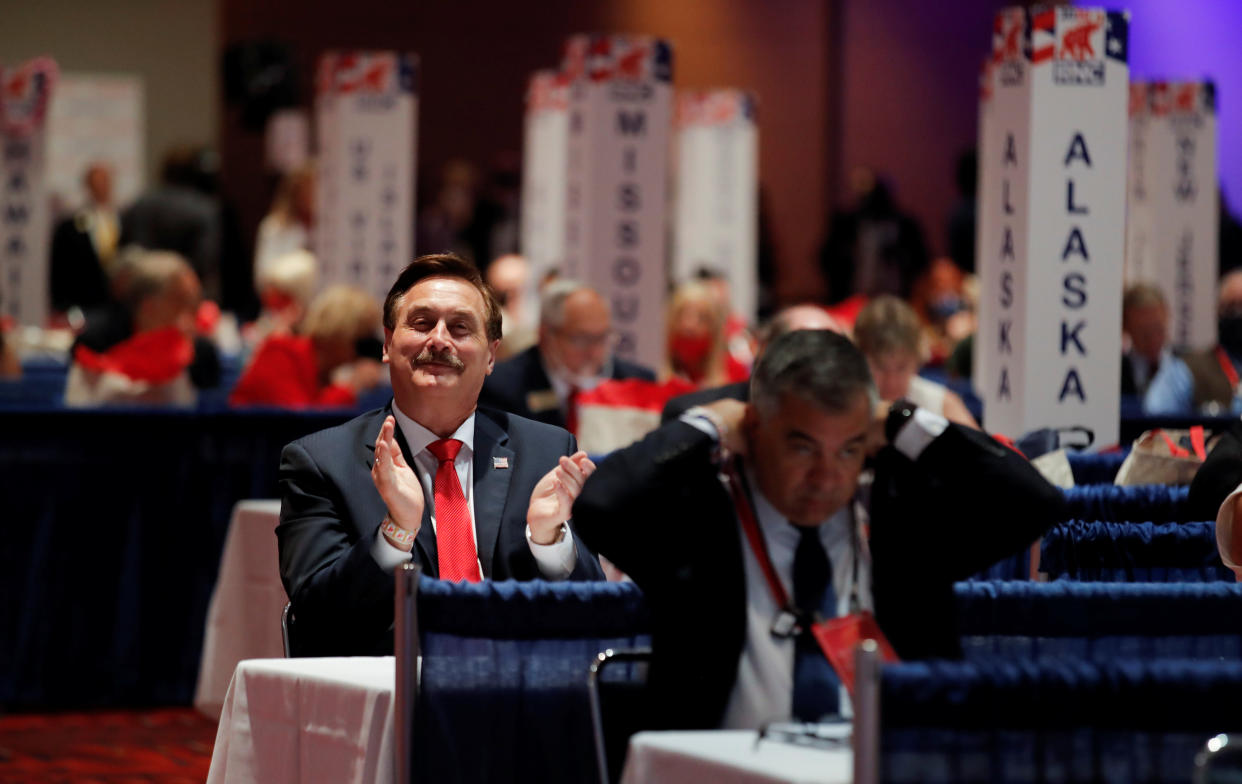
{"x": 731, "y": 757}
{"x": 305, "y": 721}
{"x": 243, "y": 619}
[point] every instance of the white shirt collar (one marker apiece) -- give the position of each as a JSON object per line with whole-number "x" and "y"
{"x": 418, "y": 437}
{"x": 782, "y": 535}
{"x": 562, "y": 382}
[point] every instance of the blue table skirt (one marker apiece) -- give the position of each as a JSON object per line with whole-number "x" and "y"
{"x": 110, "y": 540}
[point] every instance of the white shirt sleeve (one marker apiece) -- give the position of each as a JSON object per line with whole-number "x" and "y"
{"x": 385, "y": 554}
{"x": 556, "y": 560}
{"x": 918, "y": 432}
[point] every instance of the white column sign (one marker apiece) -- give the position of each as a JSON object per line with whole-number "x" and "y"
{"x": 1057, "y": 346}
{"x": 544, "y": 159}
{"x": 25, "y": 94}
{"x": 717, "y": 214}
{"x": 1172, "y": 220}
{"x": 988, "y": 217}
{"x": 1004, "y": 160}
{"x": 96, "y": 118}
{"x": 620, "y": 113}
{"x": 366, "y": 117}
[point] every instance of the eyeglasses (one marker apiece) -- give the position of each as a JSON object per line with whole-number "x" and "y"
{"x": 584, "y": 341}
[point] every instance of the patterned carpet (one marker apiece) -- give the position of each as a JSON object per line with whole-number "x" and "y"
{"x": 168, "y": 746}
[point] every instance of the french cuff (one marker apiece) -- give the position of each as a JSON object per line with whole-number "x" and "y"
{"x": 1227, "y": 540}
{"x": 556, "y": 560}
{"x": 921, "y": 429}
{"x": 703, "y": 420}
{"x": 385, "y": 554}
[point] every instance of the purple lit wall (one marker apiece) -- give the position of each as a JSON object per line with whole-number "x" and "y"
{"x": 1193, "y": 39}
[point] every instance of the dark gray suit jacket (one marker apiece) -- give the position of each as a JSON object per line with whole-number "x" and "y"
{"x": 330, "y": 512}
{"x": 521, "y": 386}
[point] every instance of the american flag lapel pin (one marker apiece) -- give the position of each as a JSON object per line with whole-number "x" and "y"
{"x": 500, "y": 462}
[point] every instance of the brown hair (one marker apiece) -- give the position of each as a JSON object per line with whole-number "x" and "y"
{"x": 887, "y": 324}
{"x": 1142, "y": 294}
{"x": 443, "y": 265}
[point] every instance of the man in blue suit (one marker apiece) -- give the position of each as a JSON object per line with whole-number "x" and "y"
{"x": 573, "y": 355}
{"x": 466, "y": 493}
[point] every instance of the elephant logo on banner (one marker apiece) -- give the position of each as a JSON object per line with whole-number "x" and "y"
{"x": 25, "y": 94}
{"x": 1076, "y": 43}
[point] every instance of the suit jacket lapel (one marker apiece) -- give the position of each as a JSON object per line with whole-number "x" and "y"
{"x": 491, "y": 486}
{"x": 425, "y": 541}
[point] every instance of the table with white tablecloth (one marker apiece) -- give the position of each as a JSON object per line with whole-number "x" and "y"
{"x": 304, "y": 721}
{"x": 243, "y": 618}
{"x": 733, "y": 757}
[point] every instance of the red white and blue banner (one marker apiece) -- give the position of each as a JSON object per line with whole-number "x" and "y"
{"x": 1172, "y": 216}
{"x": 1059, "y": 182}
{"x": 544, "y": 160}
{"x": 716, "y": 215}
{"x": 366, "y": 118}
{"x": 616, "y": 234}
{"x": 988, "y": 217}
{"x": 25, "y": 96}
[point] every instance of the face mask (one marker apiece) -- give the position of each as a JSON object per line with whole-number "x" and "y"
{"x": 689, "y": 352}
{"x": 941, "y": 309}
{"x": 1229, "y": 330}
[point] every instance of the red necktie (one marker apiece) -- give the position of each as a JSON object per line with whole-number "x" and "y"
{"x": 571, "y": 410}
{"x": 454, "y": 537}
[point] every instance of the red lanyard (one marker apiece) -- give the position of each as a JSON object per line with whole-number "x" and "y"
{"x": 1227, "y": 365}
{"x": 750, "y": 525}
{"x": 746, "y": 516}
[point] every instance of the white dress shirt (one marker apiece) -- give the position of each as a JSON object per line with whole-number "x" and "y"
{"x": 562, "y": 383}
{"x": 763, "y": 690}
{"x": 555, "y": 561}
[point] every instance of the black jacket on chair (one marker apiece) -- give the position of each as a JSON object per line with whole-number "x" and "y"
{"x": 330, "y": 513}
{"x": 659, "y": 512}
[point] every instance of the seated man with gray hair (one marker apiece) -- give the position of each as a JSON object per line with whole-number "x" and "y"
{"x": 735, "y": 570}
{"x": 573, "y": 355}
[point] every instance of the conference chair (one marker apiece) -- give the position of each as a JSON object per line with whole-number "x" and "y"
{"x": 505, "y": 663}
{"x": 1012, "y": 720}
{"x": 625, "y": 704}
{"x": 1116, "y": 503}
{"x": 286, "y": 629}
{"x": 1100, "y": 621}
{"x": 1133, "y": 552}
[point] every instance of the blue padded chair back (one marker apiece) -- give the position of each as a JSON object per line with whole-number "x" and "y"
{"x": 503, "y": 688}
{"x": 1012, "y": 721}
{"x": 1015, "y": 567}
{"x": 1133, "y": 552}
{"x": 1100, "y": 621}
{"x": 1157, "y": 503}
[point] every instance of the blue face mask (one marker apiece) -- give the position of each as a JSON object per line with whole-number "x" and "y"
{"x": 944, "y": 307}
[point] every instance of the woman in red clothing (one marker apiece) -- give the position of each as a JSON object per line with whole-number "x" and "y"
{"x": 320, "y": 365}
{"x": 696, "y": 339}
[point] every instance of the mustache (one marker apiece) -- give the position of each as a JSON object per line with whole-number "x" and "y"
{"x": 446, "y": 358}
